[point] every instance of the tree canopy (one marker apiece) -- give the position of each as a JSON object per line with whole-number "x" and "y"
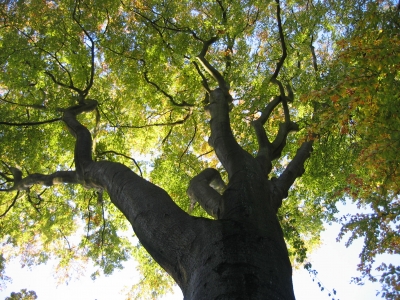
{"x": 146, "y": 63}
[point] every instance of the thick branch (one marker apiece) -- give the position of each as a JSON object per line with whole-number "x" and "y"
{"x": 206, "y": 188}
{"x": 280, "y": 141}
{"x": 268, "y": 151}
{"x": 158, "y": 222}
{"x": 228, "y": 151}
{"x": 314, "y": 57}
{"x": 294, "y": 170}
{"x": 83, "y": 145}
{"x": 23, "y": 184}
{"x": 209, "y": 68}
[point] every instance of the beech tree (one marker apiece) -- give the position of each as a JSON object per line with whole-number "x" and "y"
{"x": 194, "y": 122}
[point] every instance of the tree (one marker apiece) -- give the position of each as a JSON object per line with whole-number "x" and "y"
{"x": 362, "y": 101}
{"x": 154, "y": 69}
{"x": 23, "y": 295}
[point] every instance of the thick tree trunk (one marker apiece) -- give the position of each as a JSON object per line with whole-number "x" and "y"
{"x": 209, "y": 259}
{"x": 241, "y": 254}
{"x": 232, "y": 260}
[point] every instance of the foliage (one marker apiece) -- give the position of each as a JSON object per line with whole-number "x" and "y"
{"x": 3, "y": 278}
{"x": 24, "y": 294}
{"x": 138, "y": 59}
{"x": 361, "y": 105}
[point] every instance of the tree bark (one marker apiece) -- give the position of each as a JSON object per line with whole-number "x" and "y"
{"x": 242, "y": 255}
{"x": 239, "y": 255}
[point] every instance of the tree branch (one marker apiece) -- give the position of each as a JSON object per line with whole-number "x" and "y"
{"x": 294, "y": 170}
{"x": 35, "y": 106}
{"x": 228, "y": 151}
{"x": 188, "y": 145}
{"x": 203, "y": 78}
{"x": 126, "y": 156}
{"x": 92, "y": 51}
{"x": 282, "y": 40}
{"x": 83, "y": 145}
{"x": 178, "y": 122}
{"x": 24, "y": 184}
{"x": 30, "y": 123}
{"x": 157, "y": 221}
{"x": 268, "y": 151}
{"x": 184, "y": 103}
{"x": 209, "y": 68}
{"x": 11, "y": 205}
{"x": 206, "y": 188}
{"x": 314, "y": 57}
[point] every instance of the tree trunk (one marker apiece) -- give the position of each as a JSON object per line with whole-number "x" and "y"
{"x": 239, "y": 255}
{"x": 209, "y": 259}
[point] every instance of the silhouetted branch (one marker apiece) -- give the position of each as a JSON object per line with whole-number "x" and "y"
{"x": 188, "y": 145}
{"x": 126, "y": 156}
{"x": 282, "y": 40}
{"x": 178, "y": 122}
{"x": 36, "y": 106}
{"x": 11, "y": 205}
{"x": 314, "y": 57}
{"x": 203, "y": 78}
{"x": 30, "y": 123}
{"x": 92, "y": 51}
{"x": 184, "y": 103}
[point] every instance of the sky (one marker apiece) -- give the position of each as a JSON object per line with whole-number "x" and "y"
{"x": 335, "y": 264}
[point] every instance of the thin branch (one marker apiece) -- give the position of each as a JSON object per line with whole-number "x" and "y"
{"x": 188, "y": 145}
{"x": 92, "y": 52}
{"x": 203, "y": 78}
{"x": 70, "y": 86}
{"x": 33, "y": 203}
{"x": 103, "y": 230}
{"x": 282, "y": 40}
{"x": 36, "y": 106}
{"x": 30, "y": 123}
{"x": 126, "y": 156}
{"x": 184, "y": 103}
{"x": 178, "y": 122}
{"x": 89, "y": 216}
{"x": 167, "y": 136}
{"x": 65, "y": 238}
{"x": 11, "y": 205}
{"x": 208, "y": 152}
